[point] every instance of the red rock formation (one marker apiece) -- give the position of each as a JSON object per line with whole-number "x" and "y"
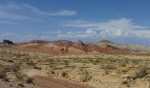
{"x": 67, "y": 47}
{"x": 92, "y": 48}
{"x": 112, "y": 50}
{"x": 64, "y": 43}
{"x": 79, "y": 45}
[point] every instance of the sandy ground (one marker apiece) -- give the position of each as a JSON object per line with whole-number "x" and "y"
{"x": 42, "y": 82}
{"x": 54, "y": 83}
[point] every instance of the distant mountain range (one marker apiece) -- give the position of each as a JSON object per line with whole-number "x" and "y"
{"x": 129, "y": 47}
{"x": 68, "y": 47}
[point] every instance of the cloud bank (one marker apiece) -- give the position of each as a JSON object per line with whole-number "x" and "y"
{"x": 113, "y": 28}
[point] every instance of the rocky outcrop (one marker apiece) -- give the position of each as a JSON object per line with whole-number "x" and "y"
{"x": 79, "y": 45}
{"x": 64, "y": 43}
{"x": 105, "y": 41}
{"x": 7, "y": 42}
{"x": 111, "y": 50}
{"x": 38, "y": 41}
{"x": 92, "y": 48}
{"x": 68, "y": 47}
{"x": 108, "y": 46}
{"x": 67, "y": 44}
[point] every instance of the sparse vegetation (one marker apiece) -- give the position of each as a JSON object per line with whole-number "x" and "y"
{"x": 89, "y": 69}
{"x": 141, "y": 72}
{"x": 66, "y": 62}
{"x": 85, "y": 76}
{"x": 64, "y": 74}
{"x": 20, "y": 77}
{"x": 2, "y": 71}
{"x": 108, "y": 67}
{"x": 29, "y": 80}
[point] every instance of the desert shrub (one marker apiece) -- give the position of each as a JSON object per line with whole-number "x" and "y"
{"x": 134, "y": 61}
{"x": 85, "y": 76}
{"x": 11, "y": 61}
{"x": 29, "y": 80}
{"x": 21, "y": 85}
{"x": 31, "y": 63}
{"x": 52, "y": 72}
{"x": 2, "y": 71}
{"x": 20, "y": 77}
{"x": 66, "y": 62}
{"x": 12, "y": 68}
{"x": 108, "y": 67}
{"x": 51, "y": 61}
{"x": 64, "y": 74}
{"x": 122, "y": 64}
{"x": 122, "y": 71}
{"x": 38, "y": 68}
{"x": 126, "y": 60}
{"x": 142, "y": 72}
{"x": 112, "y": 60}
{"x": 95, "y": 62}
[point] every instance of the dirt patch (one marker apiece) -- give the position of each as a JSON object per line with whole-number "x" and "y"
{"x": 55, "y": 83}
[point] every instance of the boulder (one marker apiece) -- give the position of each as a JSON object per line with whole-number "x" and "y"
{"x": 7, "y": 42}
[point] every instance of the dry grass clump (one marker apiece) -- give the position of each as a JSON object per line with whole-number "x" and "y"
{"x": 85, "y": 76}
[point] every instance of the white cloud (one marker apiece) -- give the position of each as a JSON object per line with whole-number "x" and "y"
{"x": 90, "y": 31}
{"x": 81, "y": 24}
{"x": 74, "y": 35}
{"x": 37, "y": 11}
{"x": 63, "y": 12}
{"x": 113, "y": 28}
{"x": 12, "y": 11}
{"x": 21, "y": 12}
{"x": 34, "y": 10}
{"x": 87, "y": 34}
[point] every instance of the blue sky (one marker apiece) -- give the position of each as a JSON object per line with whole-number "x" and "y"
{"x": 120, "y": 21}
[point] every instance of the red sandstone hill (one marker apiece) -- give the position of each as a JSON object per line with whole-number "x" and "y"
{"x": 68, "y": 47}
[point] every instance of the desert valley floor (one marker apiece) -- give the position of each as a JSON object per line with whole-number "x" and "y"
{"x": 33, "y": 65}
